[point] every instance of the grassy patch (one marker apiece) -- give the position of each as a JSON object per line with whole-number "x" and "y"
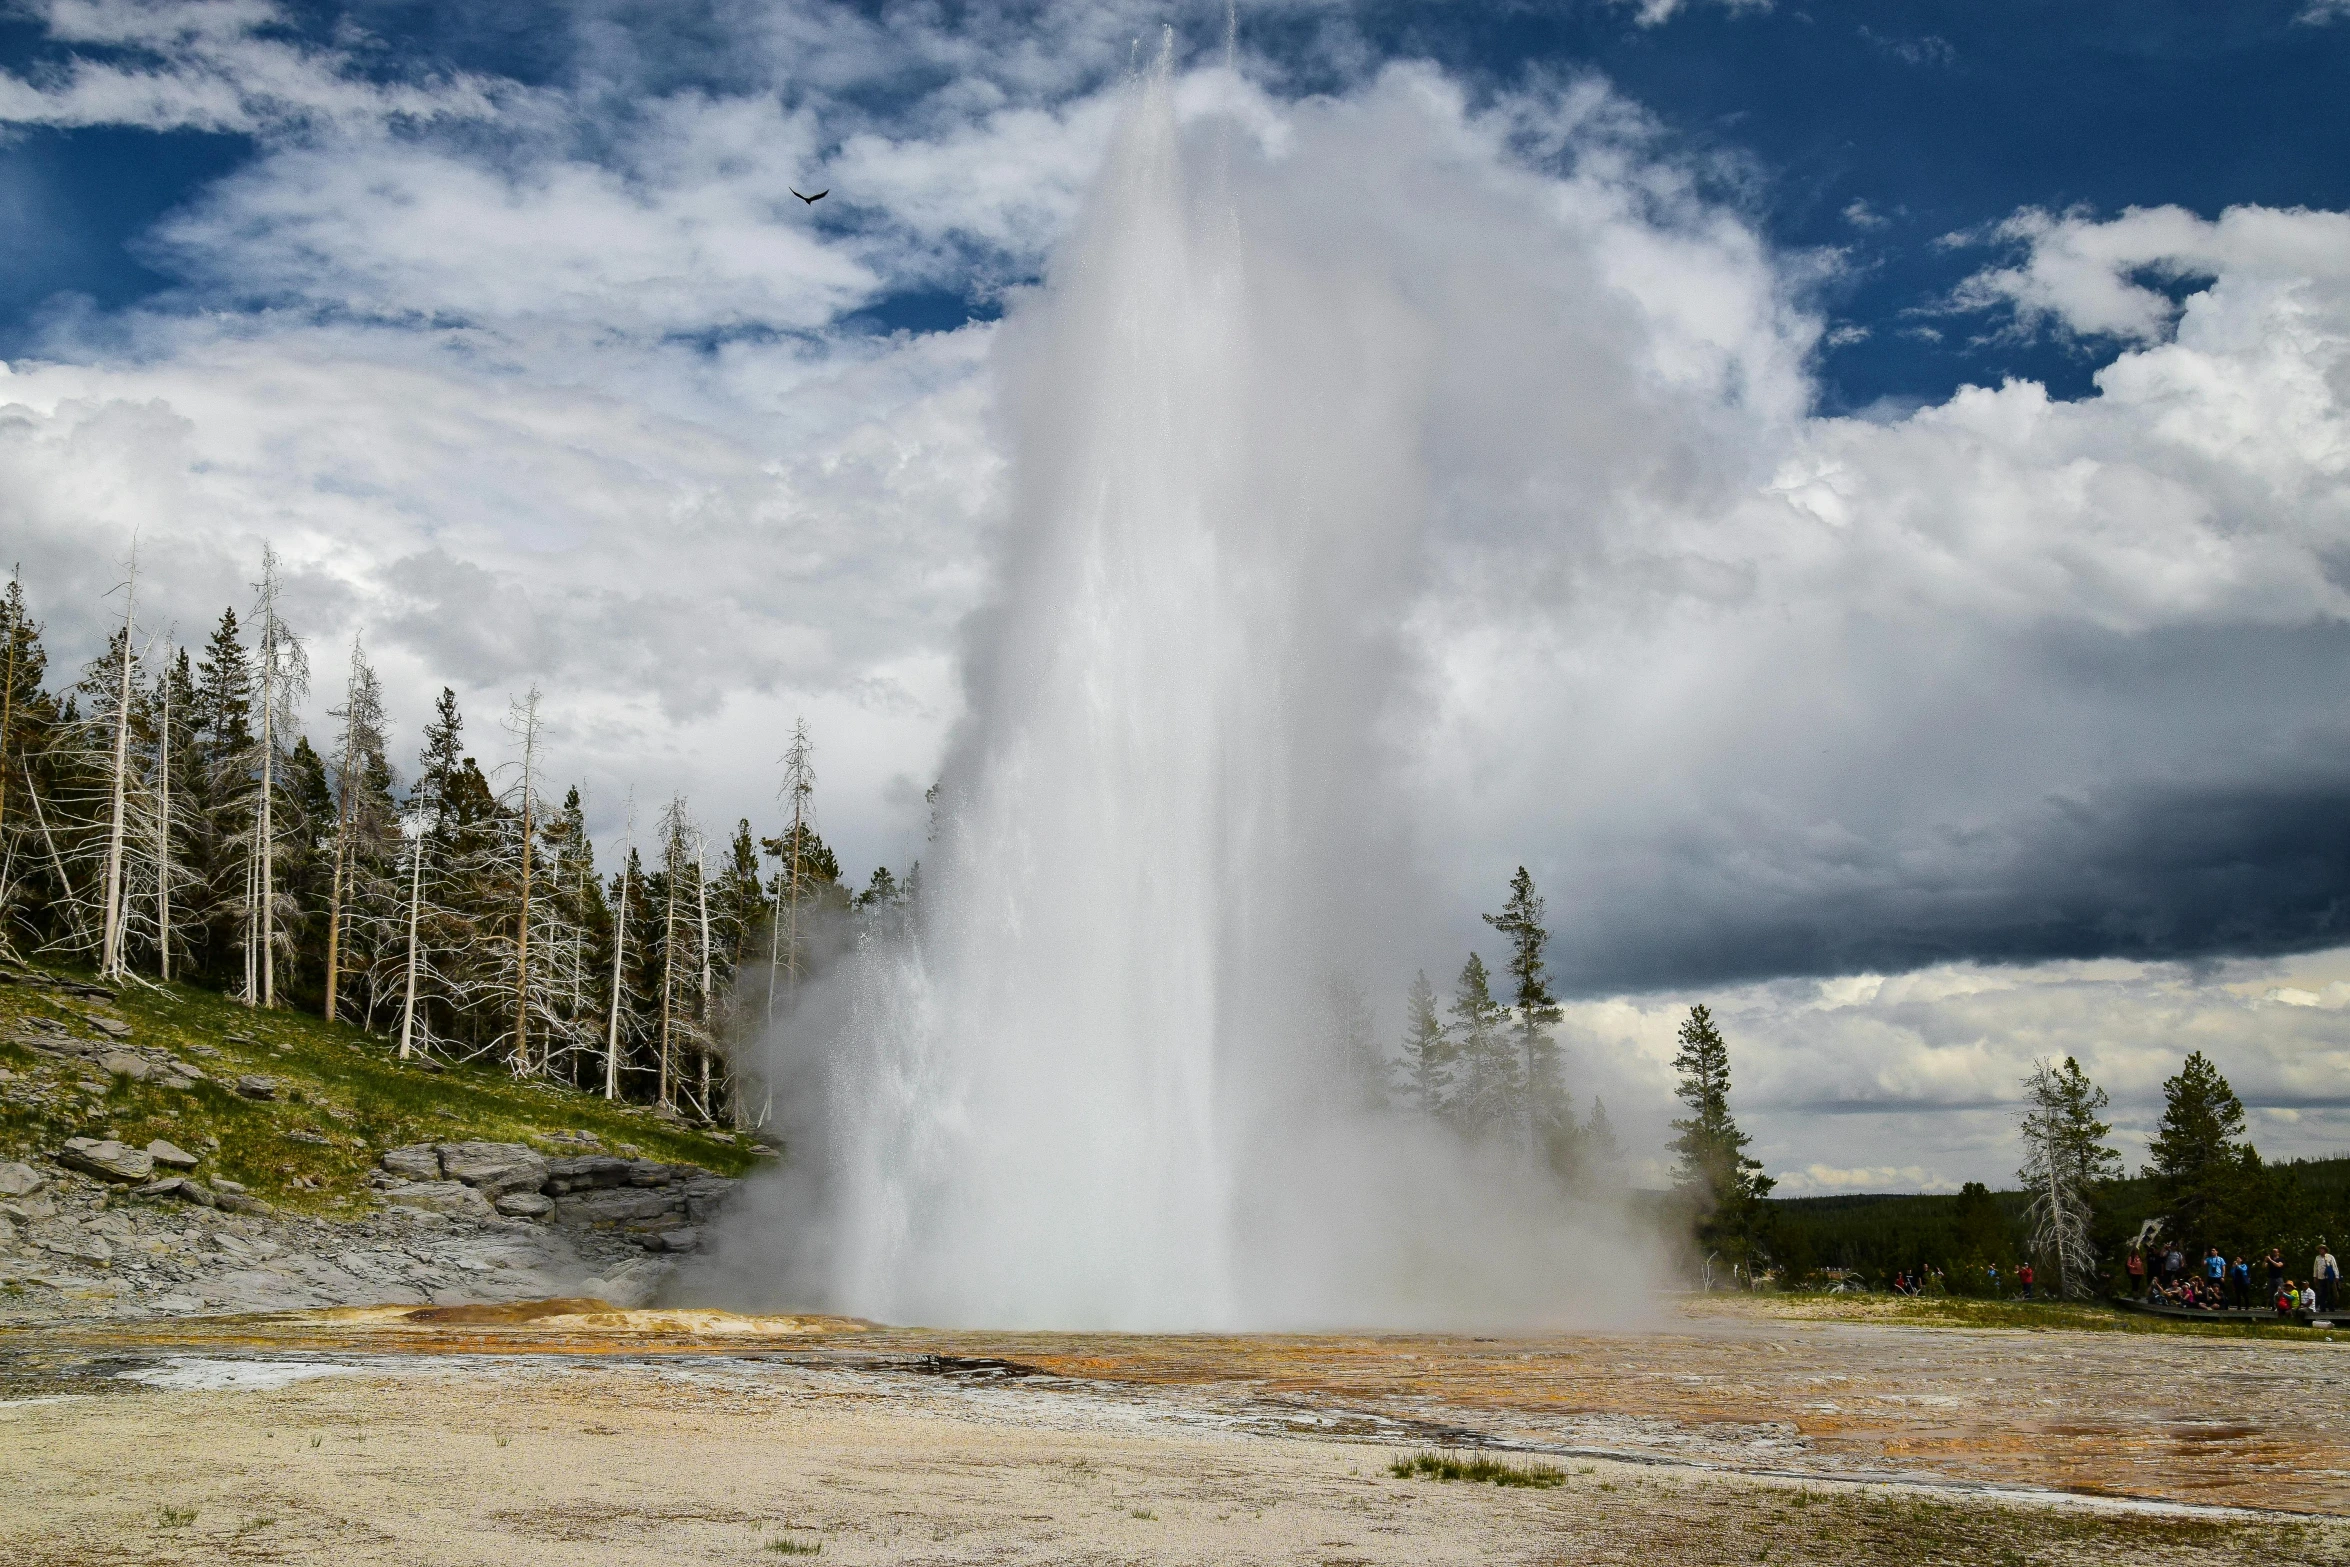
{"x": 787, "y": 1546}
{"x": 1490, "y": 1471}
{"x": 343, "y": 1097}
{"x": 169, "y": 1517}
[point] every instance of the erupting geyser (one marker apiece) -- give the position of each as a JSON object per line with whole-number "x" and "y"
{"x": 1096, "y": 1085}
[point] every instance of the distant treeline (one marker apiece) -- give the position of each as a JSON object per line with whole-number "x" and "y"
{"x": 164, "y": 814}
{"x": 2296, "y": 1204}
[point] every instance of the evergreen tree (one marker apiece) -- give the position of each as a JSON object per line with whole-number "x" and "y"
{"x": 1428, "y": 1051}
{"x": 1722, "y": 1186}
{"x": 1487, "y": 1086}
{"x": 1535, "y": 1012}
{"x": 220, "y": 725}
{"x": 2207, "y": 1172}
{"x": 2065, "y": 1161}
{"x": 29, "y": 719}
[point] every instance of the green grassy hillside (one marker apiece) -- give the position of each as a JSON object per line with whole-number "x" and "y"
{"x": 341, "y": 1095}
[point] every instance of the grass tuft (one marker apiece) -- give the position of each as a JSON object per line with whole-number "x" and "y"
{"x": 169, "y": 1517}
{"x": 787, "y": 1546}
{"x": 1489, "y": 1471}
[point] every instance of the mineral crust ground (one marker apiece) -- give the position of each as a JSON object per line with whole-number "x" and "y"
{"x": 570, "y": 1432}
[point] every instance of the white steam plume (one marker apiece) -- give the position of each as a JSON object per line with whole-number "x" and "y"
{"x": 1088, "y": 1086}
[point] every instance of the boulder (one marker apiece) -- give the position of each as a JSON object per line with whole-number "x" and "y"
{"x": 20, "y": 1180}
{"x": 451, "y": 1199}
{"x": 177, "y": 1186}
{"x": 649, "y": 1172}
{"x": 106, "y": 1159}
{"x": 168, "y": 1154}
{"x": 416, "y": 1162}
{"x": 525, "y": 1205}
{"x": 240, "y": 1202}
{"x": 121, "y": 1063}
{"x": 112, "y": 1025}
{"x": 680, "y": 1240}
{"x": 257, "y": 1087}
{"x": 494, "y": 1168}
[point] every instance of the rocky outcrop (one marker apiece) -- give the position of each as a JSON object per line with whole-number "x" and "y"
{"x": 106, "y": 1159}
{"x": 20, "y": 1180}
{"x": 257, "y": 1087}
{"x": 655, "y": 1205}
{"x": 171, "y": 1156}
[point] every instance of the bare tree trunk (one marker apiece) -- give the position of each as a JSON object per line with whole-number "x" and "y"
{"x": 668, "y": 954}
{"x": 334, "y": 901}
{"x": 702, "y": 894}
{"x": 619, "y": 953}
{"x": 110, "y": 964}
{"x": 530, "y": 740}
{"x": 415, "y": 907}
{"x": 163, "y": 841}
{"x": 64, "y": 883}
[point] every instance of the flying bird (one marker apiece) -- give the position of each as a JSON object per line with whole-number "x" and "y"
{"x": 819, "y": 196}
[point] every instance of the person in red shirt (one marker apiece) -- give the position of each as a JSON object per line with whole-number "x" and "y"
{"x": 2023, "y": 1276}
{"x": 2137, "y": 1267}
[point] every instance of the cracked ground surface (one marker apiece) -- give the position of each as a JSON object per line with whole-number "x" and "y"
{"x": 596, "y": 1436}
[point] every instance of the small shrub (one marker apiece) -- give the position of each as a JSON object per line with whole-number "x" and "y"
{"x": 1491, "y": 1471}
{"x": 787, "y": 1546}
{"x": 168, "y": 1517}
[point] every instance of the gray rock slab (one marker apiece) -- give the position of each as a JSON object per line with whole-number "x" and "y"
{"x": 106, "y": 1159}
{"x": 257, "y": 1087}
{"x": 525, "y": 1205}
{"x": 494, "y": 1168}
{"x": 111, "y": 1025}
{"x": 171, "y": 1155}
{"x": 121, "y": 1063}
{"x": 618, "y": 1205}
{"x": 20, "y": 1180}
{"x": 416, "y": 1162}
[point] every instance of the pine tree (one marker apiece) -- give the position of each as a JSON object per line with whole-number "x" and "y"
{"x": 2206, "y": 1171}
{"x": 1428, "y": 1051}
{"x": 2065, "y": 1161}
{"x": 28, "y": 721}
{"x": 1543, "y": 1099}
{"x": 220, "y": 726}
{"x": 1487, "y": 1087}
{"x": 1722, "y": 1186}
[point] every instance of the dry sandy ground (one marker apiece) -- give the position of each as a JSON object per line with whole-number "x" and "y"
{"x": 650, "y": 1438}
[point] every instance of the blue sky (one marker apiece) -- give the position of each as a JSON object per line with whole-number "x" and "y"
{"x": 1885, "y": 522}
{"x": 1935, "y": 119}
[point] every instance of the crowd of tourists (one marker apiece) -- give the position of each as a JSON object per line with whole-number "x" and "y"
{"x": 2218, "y": 1282}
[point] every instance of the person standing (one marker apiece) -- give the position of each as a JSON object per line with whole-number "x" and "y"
{"x": 2326, "y": 1275}
{"x": 2215, "y": 1273}
{"x": 2023, "y": 1276}
{"x": 2276, "y": 1269}
{"x": 2137, "y": 1271}
{"x": 2240, "y": 1284}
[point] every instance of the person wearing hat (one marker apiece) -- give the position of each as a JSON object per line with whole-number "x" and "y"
{"x": 2326, "y": 1275}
